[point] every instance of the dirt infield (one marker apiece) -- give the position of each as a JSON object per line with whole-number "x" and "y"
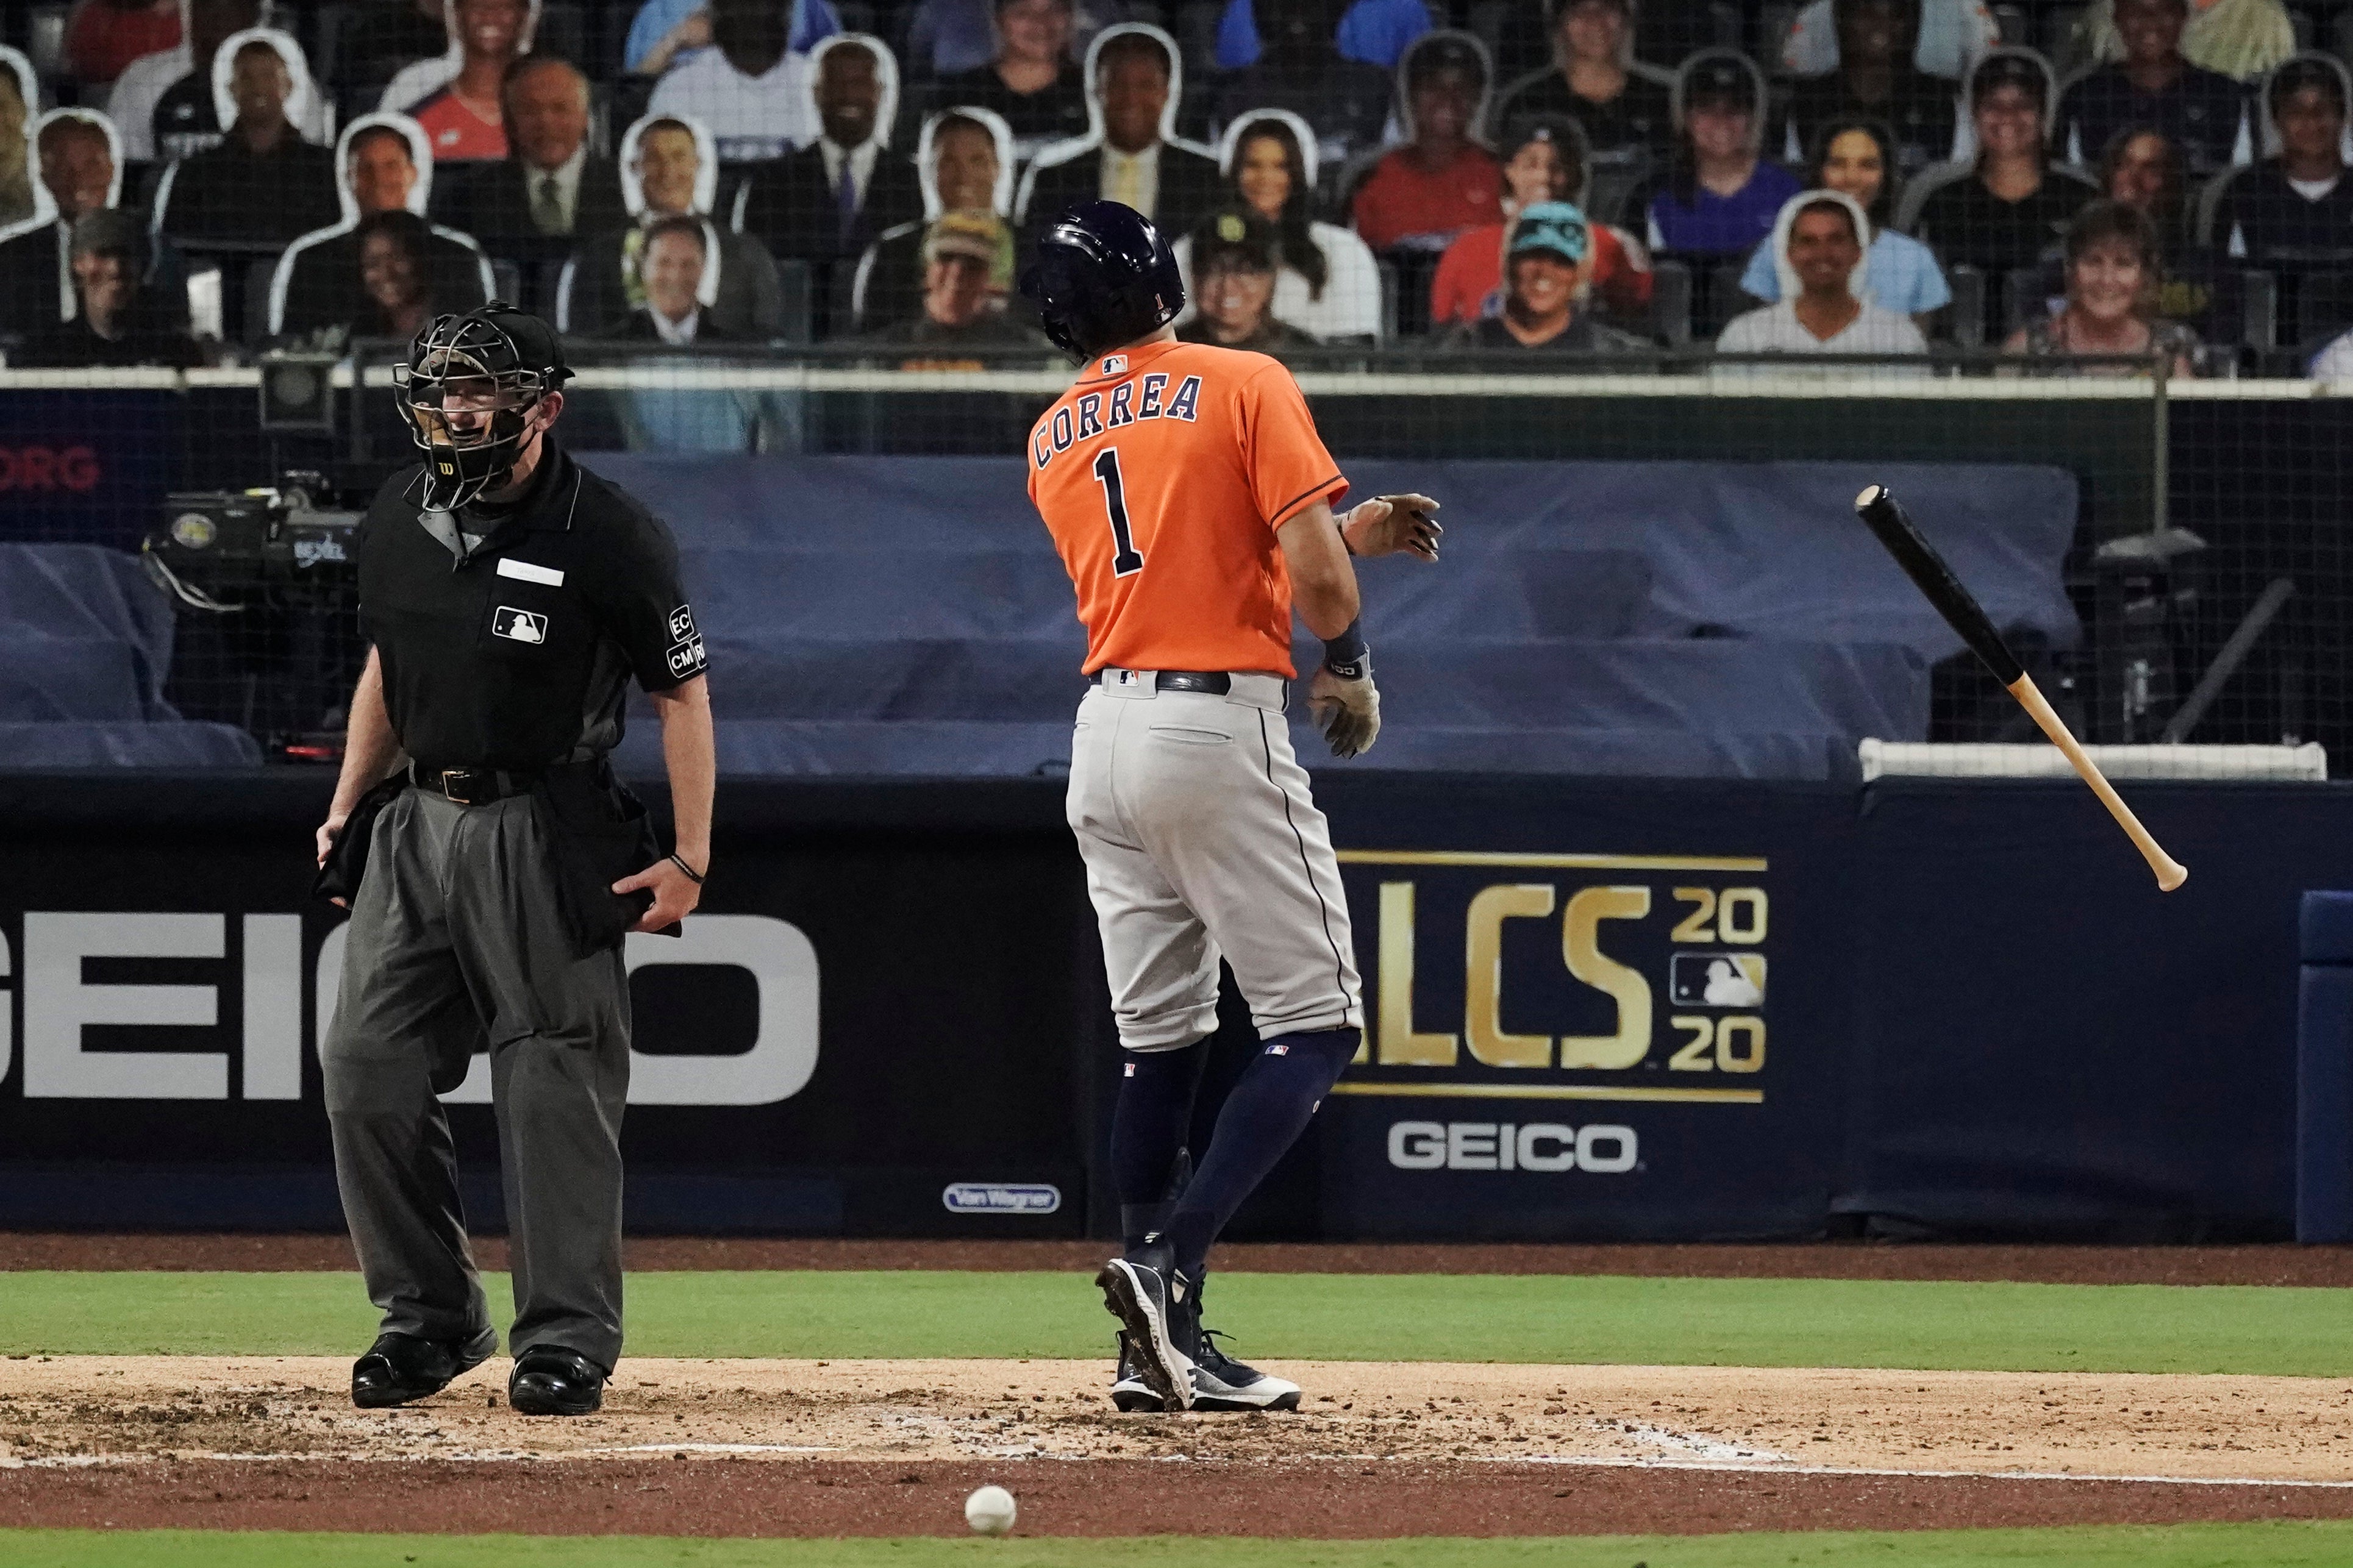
{"x": 2248, "y": 1265}
{"x": 1111, "y": 1497}
{"x": 77, "y": 1409}
{"x": 813, "y": 1448}
{"x": 793, "y": 1448}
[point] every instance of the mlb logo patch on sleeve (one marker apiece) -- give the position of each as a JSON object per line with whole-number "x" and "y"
{"x": 518, "y": 625}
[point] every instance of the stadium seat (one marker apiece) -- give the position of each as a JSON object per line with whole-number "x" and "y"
{"x": 59, "y": 603}
{"x": 1696, "y": 686}
{"x": 52, "y": 678}
{"x": 866, "y": 747}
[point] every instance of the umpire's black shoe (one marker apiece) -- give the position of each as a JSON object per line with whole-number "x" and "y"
{"x": 555, "y": 1381}
{"x": 399, "y": 1368}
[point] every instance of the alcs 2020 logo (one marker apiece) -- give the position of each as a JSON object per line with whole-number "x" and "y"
{"x": 1560, "y": 976}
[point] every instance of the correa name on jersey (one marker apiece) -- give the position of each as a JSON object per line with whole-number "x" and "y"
{"x": 1128, "y": 403}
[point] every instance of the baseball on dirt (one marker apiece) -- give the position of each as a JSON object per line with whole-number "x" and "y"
{"x": 990, "y": 1510}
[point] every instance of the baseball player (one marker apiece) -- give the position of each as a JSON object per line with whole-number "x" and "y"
{"x": 1190, "y": 499}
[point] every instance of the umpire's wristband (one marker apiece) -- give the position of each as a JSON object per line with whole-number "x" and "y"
{"x": 1346, "y": 656}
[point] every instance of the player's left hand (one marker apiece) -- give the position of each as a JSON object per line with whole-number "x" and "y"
{"x": 1348, "y": 713}
{"x": 675, "y": 894}
{"x": 1393, "y": 525}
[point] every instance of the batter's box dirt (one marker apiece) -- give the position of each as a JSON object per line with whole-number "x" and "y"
{"x": 70, "y": 1411}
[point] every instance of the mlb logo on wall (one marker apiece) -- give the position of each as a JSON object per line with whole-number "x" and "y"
{"x": 1717, "y": 979}
{"x": 518, "y": 625}
{"x": 1002, "y": 1198}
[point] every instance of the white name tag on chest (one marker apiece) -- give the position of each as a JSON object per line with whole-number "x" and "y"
{"x": 511, "y": 567}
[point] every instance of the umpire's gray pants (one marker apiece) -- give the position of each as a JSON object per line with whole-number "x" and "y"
{"x": 455, "y": 943}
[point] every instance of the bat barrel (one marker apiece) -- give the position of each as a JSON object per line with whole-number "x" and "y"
{"x": 1886, "y": 519}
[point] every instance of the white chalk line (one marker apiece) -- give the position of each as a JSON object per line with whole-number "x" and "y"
{"x": 1698, "y": 1447}
{"x": 714, "y": 1448}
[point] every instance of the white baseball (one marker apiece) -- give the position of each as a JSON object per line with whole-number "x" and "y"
{"x": 990, "y": 1510}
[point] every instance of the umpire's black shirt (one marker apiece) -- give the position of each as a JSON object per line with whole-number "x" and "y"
{"x": 508, "y": 632}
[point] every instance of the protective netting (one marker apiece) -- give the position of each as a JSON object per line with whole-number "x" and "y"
{"x": 1643, "y": 546}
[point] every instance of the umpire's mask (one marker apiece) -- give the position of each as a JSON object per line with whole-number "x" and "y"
{"x": 467, "y": 392}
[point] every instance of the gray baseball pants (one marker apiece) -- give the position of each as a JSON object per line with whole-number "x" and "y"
{"x": 1200, "y": 841}
{"x": 456, "y": 944}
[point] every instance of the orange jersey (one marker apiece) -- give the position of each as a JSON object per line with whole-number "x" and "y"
{"x": 1163, "y": 474}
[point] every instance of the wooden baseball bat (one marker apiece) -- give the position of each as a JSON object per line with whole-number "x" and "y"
{"x": 1886, "y": 519}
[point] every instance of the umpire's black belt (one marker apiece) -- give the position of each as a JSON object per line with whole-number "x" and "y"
{"x": 1215, "y": 682}
{"x": 474, "y": 786}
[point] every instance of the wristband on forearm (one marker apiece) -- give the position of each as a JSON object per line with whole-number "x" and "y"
{"x": 1347, "y": 655}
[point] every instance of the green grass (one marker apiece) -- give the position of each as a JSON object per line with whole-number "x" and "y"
{"x": 1415, "y": 1317}
{"x": 2280, "y": 1545}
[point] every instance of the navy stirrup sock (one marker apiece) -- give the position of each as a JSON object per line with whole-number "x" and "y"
{"x": 1260, "y": 1120}
{"x": 1147, "y": 1133}
{"x": 1138, "y": 1221}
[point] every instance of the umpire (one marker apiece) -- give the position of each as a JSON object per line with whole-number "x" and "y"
{"x": 492, "y": 864}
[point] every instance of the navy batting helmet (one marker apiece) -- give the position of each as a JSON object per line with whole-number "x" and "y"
{"x": 1104, "y": 278}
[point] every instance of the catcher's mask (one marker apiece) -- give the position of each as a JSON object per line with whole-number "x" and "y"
{"x": 467, "y": 392}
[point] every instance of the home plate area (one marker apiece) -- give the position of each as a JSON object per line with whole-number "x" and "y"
{"x": 76, "y": 1411}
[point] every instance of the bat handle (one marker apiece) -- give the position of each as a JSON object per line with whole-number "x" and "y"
{"x": 2171, "y": 873}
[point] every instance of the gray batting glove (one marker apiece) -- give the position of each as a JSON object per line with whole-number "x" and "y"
{"x": 1393, "y": 525}
{"x": 1348, "y": 713}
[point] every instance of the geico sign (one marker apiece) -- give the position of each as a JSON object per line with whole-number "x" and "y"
{"x": 60, "y": 1008}
{"x": 1502, "y": 1146}
{"x": 28, "y": 468}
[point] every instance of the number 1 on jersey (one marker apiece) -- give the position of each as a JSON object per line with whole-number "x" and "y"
{"x": 1126, "y": 561}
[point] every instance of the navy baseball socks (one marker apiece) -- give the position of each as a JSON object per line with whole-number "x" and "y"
{"x": 1148, "y": 1134}
{"x": 1154, "y": 1287}
{"x": 1261, "y": 1119}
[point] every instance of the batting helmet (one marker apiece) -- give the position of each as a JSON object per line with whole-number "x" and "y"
{"x": 498, "y": 362}
{"x": 1104, "y": 278}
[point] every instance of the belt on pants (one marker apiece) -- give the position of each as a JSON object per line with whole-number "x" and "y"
{"x": 472, "y": 786}
{"x": 1217, "y": 683}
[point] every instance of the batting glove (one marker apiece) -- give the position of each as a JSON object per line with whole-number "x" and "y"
{"x": 1392, "y": 525}
{"x": 1346, "y": 710}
